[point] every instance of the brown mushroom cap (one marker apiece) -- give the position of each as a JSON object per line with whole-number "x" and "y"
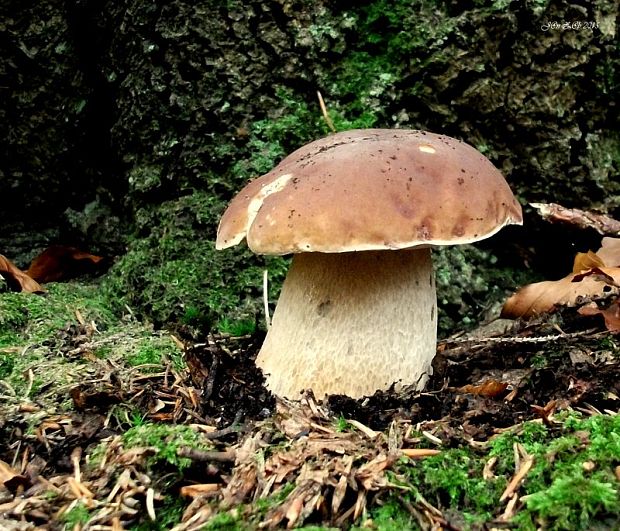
{"x": 371, "y": 189}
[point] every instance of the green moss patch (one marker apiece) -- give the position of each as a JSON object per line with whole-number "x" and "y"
{"x": 571, "y": 483}
{"x": 165, "y": 441}
{"x": 49, "y": 342}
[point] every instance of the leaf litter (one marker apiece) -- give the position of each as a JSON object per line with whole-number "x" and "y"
{"x": 111, "y": 444}
{"x": 273, "y": 462}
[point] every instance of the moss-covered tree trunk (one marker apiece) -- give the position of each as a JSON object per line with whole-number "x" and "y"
{"x": 160, "y": 111}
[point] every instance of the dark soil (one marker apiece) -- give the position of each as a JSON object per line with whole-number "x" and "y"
{"x": 539, "y": 363}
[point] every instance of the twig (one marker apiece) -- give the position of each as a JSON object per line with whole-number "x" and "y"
{"x": 211, "y": 378}
{"x": 432, "y": 438}
{"x": 233, "y": 428}
{"x": 518, "y": 477}
{"x": 417, "y": 453}
{"x": 150, "y": 504}
{"x": 194, "y": 454}
{"x": 510, "y": 340}
{"x": 328, "y": 120}
{"x": 601, "y": 223}
{"x": 30, "y": 383}
{"x": 266, "y": 298}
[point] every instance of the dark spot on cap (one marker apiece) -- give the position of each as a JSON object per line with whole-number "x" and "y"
{"x": 323, "y": 308}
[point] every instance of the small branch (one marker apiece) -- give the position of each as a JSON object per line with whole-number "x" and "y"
{"x": 234, "y": 427}
{"x": 518, "y": 478}
{"x": 328, "y": 119}
{"x": 207, "y": 456}
{"x": 582, "y": 219}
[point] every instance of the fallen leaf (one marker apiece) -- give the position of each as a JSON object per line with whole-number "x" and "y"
{"x": 594, "y": 275}
{"x": 59, "y": 262}
{"x": 610, "y": 314}
{"x": 17, "y": 279}
{"x": 609, "y": 252}
{"x": 489, "y": 388}
{"x": 584, "y": 261}
{"x": 11, "y": 478}
{"x": 598, "y": 274}
{"x": 543, "y": 297}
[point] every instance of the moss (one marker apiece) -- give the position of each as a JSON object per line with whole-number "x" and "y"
{"x": 276, "y": 498}
{"x": 76, "y": 517}
{"x": 229, "y": 521}
{"x": 269, "y": 140}
{"x": 391, "y": 516}
{"x": 41, "y": 340}
{"x": 169, "y": 513}
{"x": 236, "y": 328}
{"x": 173, "y": 273}
{"x": 454, "y": 480}
{"x": 165, "y": 440}
{"x": 153, "y": 349}
{"x": 571, "y": 484}
{"x": 36, "y": 317}
{"x": 342, "y": 425}
{"x": 29, "y": 332}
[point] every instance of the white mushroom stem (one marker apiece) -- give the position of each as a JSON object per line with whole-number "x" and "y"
{"x": 352, "y": 323}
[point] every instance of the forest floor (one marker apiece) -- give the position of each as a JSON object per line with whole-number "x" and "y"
{"x": 108, "y": 424}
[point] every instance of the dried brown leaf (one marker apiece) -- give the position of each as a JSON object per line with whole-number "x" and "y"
{"x": 592, "y": 275}
{"x": 16, "y": 279}
{"x": 59, "y": 262}
{"x": 11, "y": 478}
{"x": 610, "y": 314}
{"x": 585, "y": 261}
{"x": 609, "y": 252}
{"x": 605, "y": 275}
{"x": 488, "y": 388}
{"x": 542, "y": 297}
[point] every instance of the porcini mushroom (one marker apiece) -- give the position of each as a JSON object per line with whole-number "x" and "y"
{"x": 360, "y": 211}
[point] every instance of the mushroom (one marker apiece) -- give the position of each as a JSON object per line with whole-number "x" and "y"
{"x": 360, "y": 211}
